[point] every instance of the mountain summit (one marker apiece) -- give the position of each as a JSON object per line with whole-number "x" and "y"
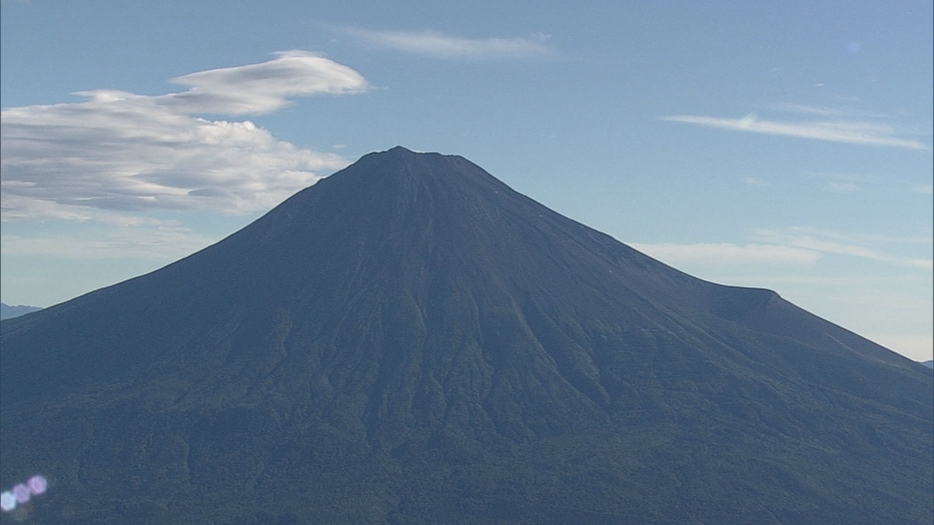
{"x": 412, "y": 341}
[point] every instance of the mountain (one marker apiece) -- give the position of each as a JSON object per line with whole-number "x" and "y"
{"x": 8, "y": 312}
{"x": 929, "y": 364}
{"x": 412, "y": 341}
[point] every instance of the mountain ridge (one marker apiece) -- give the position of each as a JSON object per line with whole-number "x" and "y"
{"x": 10, "y": 311}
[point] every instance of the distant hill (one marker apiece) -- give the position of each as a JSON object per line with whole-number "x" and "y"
{"x": 8, "y": 312}
{"x": 410, "y": 341}
{"x": 929, "y": 364}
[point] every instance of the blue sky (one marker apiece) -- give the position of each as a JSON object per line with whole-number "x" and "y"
{"x": 785, "y": 145}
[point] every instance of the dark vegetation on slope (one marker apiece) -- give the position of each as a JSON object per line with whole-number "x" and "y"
{"x": 411, "y": 341}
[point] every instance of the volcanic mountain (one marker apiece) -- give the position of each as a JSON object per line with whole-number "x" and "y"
{"x": 412, "y": 341}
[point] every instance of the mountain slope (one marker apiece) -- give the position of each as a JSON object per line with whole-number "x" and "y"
{"x": 410, "y": 341}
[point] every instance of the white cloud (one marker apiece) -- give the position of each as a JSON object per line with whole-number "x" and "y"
{"x": 436, "y": 45}
{"x": 262, "y": 88}
{"x": 837, "y": 130}
{"x": 127, "y": 152}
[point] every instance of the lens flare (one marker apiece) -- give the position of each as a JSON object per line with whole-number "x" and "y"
{"x": 22, "y": 492}
{"x": 7, "y": 501}
{"x": 37, "y": 485}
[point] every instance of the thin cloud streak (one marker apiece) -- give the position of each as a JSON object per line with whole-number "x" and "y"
{"x": 788, "y": 247}
{"x": 110, "y": 235}
{"x": 133, "y": 243}
{"x": 123, "y": 152}
{"x": 436, "y": 45}
{"x": 849, "y": 132}
{"x": 729, "y": 254}
{"x": 833, "y": 243}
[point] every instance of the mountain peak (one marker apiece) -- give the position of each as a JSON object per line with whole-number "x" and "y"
{"x": 400, "y": 161}
{"x": 401, "y": 154}
{"x": 402, "y": 151}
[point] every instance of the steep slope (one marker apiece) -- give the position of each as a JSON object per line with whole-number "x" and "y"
{"x": 410, "y": 340}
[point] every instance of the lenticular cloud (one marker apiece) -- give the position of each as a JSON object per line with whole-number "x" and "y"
{"x": 120, "y": 151}
{"x": 262, "y": 88}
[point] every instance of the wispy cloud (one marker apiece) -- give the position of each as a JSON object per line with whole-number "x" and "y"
{"x": 144, "y": 241}
{"x": 796, "y": 246}
{"x": 437, "y": 45}
{"x": 125, "y": 152}
{"x": 845, "y": 182}
{"x": 836, "y": 129}
{"x": 846, "y": 112}
{"x": 861, "y": 246}
{"x": 728, "y": 254}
